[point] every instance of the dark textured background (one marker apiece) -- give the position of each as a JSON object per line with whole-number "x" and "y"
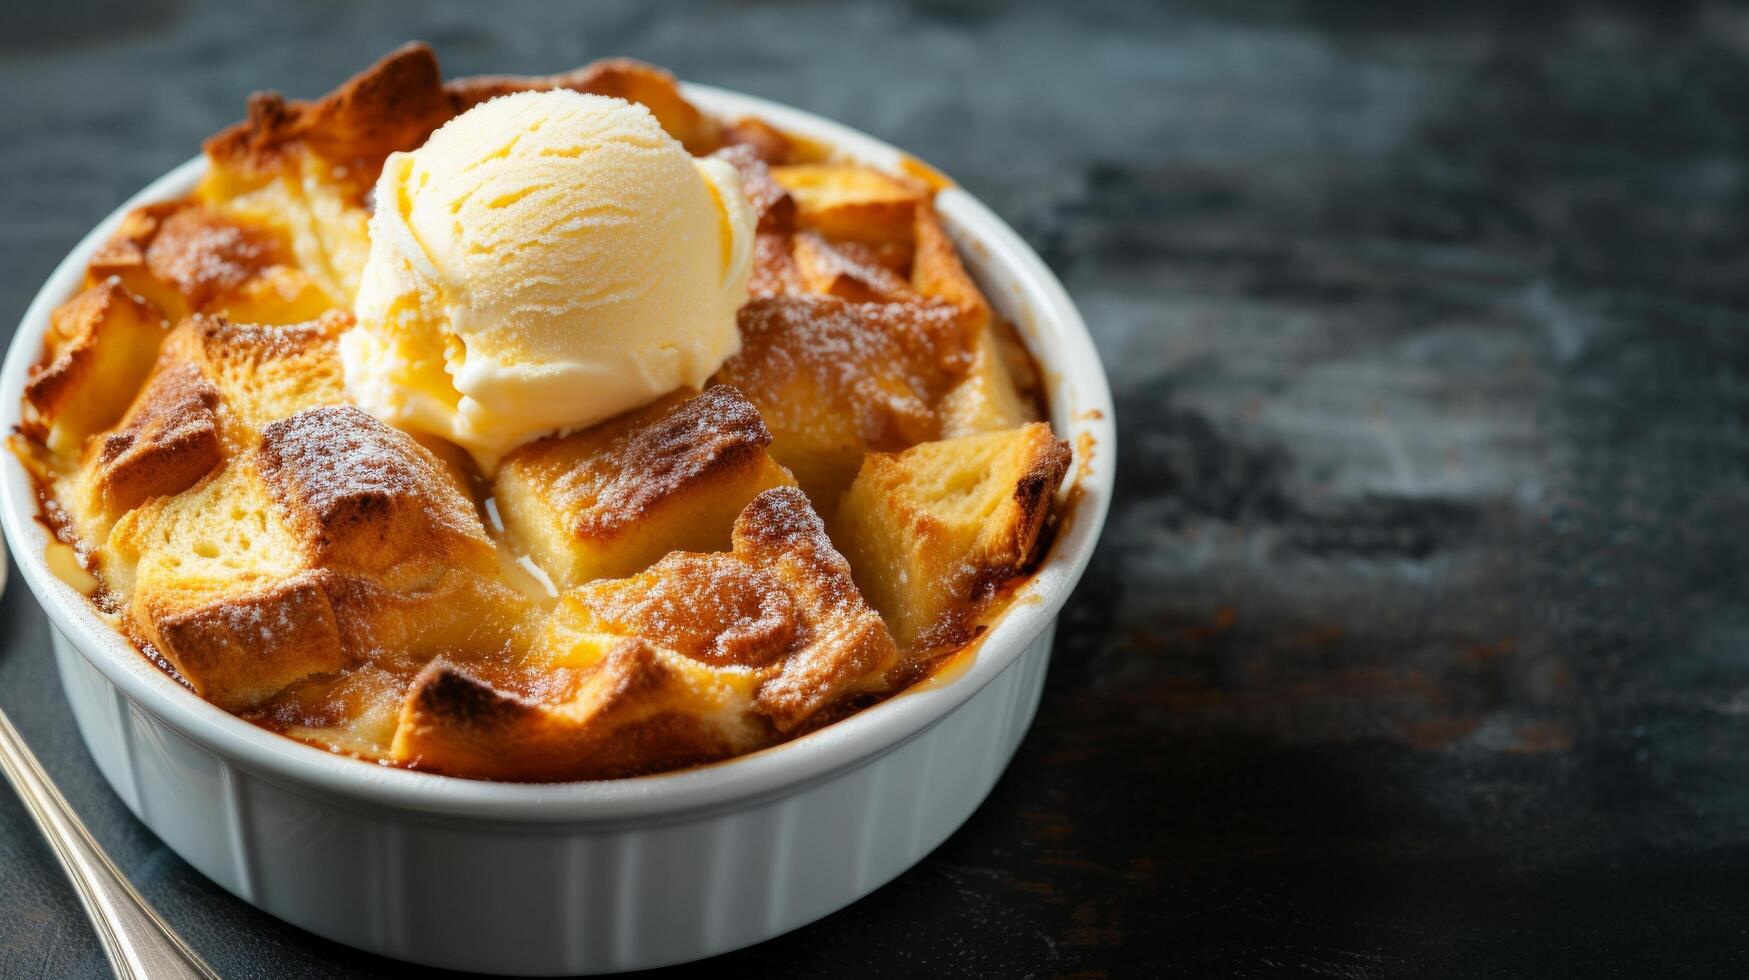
{"x": 1418, "y": 644}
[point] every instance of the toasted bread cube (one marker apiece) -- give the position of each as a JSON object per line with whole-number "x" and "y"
{"x": 849, "y": 271}
{"x": 242, "y": 647}
{"x": 392, "y": 105}
{"x": 166, "y": 443}
{"x": 780, "y": 607}
{"x": 850, "y": 202}
{"x": 773, "y": 206}
{"x": 322, "y": 220}
{"x": 612, "y": 499}
{"x": 936, "y": 270}
{"x": 933, "y": 530}
{"x": 363, "y": 497}
{"x": 223, "y": 533}
{"x": 104, "y": 342}
{"x": 182, "y": 257}
{"x": 215, "y": 385}
{"x": 635, "y": 709}
{"x": 991, "y": 397}
{"x": 336, "y": 524}
{"x": 304, "y": 169}
{"x": 267, "y": 372}
{"x": 216, "y": 584}
{"x": 845, "y": 646}
{"x": 774, "y": 267}
{"x": 280, "y": 294}
{"x": 619, "y": 78}
{"x": 768, "y": 143}
{"x": 123, "y": 260}
{"x": 834, "y": 379}
{"x": 354, "y": 712}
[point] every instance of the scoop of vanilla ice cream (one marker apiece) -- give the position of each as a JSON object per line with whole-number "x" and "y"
{"x": 546, "y": 260}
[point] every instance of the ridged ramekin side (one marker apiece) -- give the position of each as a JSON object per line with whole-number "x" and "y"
{"x": 554, "y": 900}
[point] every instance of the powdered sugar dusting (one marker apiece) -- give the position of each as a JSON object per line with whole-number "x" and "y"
{"x": 205, "y": 256}
{"x": 882, "y": 364}
{"x": 712, "y": 608}
{"x": 697, "y": 439}
{"x": 338, "y": 463}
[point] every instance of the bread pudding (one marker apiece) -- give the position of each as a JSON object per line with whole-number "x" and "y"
{"x": 837, "y": 502}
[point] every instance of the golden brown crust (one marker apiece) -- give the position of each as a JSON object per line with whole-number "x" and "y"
{"x": 851, "y": 202}
{"x": 936, "y": 270}
{"x": 167, "y": 442}
{"x": 264, "y": 373}
{"x": 934, "y": 530}
{"x": 611, "y": 499}
{"x": 240, "y": 648}
{"x": 73, "y": 329}
{"x": 392, "y": 105}
{"x": 102, "y": 344}
{"x": 397, "y": 103}
{"x": 780, "y": 605}
{"x": 844, "y": 640}
{"x": 880, "y": 364}
{"x": 616, "y": 723}
{"x": 687, "y": 447}
{"x": 772, "y": 205}
{"x": 620, "y": 78}
{"x": 713, "y": 608}
{"x": 127, "y": 247}
{"x": 835, "y": 379}
{"x": 202, "y": 256}
{"x": 774, "y": 267}
{"x": 765, "y": 141}
{"x": 365, "y": 497}
{"x": 185, "y": 257}
{"x": 850, "y": 271}
{"x": 249, "y": 345}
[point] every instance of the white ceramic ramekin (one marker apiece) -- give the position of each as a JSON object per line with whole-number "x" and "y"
{"x": 582, "y": 877}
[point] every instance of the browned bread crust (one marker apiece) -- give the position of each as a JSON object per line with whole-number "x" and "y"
{"x": 398, "y": 101}
{"x": 934, "y": 530}
{"x": 699, "y": 657}
{"x": 613, "y": 498}
{"x": 101, "y": 346}
{"x": 781, "y": 602}
{"x": 835, "y": 379}
{"x": 167, "y": 442}
{"x": 620, "y": 78}
{"x": 246, "y": 645}
{"x": 843, "y": 641}
{"x": 392, "y": 105}
{"x": 363, "y": 497}
{"x": 851, "y": 271}
{"x": 630, "y": 714}
{"x": 772, "y": 205}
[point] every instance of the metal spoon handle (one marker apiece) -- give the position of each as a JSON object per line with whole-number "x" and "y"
{"x": 140, "y": 944}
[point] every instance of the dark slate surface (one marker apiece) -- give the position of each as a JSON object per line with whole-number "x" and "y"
{"x": 1419, "y": 641}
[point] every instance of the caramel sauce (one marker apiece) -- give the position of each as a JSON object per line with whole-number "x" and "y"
{"x": 64, "y": 562}
{"x": 951, "y": 667}
{"x": 519, "y": 570}
{"x": 916, "y": 168}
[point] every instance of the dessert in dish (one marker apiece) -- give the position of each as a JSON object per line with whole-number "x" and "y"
{"x": 539, "y": 428}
